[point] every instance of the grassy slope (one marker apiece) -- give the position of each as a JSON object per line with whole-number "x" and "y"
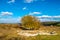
{"x": 8, "y": 32}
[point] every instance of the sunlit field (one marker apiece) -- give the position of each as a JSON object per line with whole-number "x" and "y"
{"x": 9, "y": 32}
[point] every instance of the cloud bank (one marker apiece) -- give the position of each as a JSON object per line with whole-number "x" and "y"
{"x": 11, "y": 1}
{"x": 29, "y": 1}
{"x": 45, "y": 18}
{"x": 10, "y": 20}
{"x": 24, "y": 8}
{"x": 6, "y": 13}
{"x": 33, "y": 13}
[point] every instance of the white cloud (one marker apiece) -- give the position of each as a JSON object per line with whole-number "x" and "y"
{"x": 32, "y": 13}
{"x": 19, "y": 19}
{"x": 6, "y": 13}
{"x": 10, "y": 20}
{"x": 24, "y": 8}
{"x": 45, "y": 18}
{"x": 29, "y": 1}
{"x": 57, "y": 16}
{"x": 11, "y": 1}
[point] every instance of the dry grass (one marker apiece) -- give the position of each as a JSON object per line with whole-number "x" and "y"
{"x": 8, "y": 31}
{"x": 50, "y": 29}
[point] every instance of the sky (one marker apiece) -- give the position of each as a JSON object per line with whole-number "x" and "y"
{"x": 11, "y": 11}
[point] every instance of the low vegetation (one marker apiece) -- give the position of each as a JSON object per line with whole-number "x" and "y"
{"x": 8, "y": 32}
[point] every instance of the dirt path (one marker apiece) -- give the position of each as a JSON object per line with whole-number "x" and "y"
{"x": 33, "y": 33}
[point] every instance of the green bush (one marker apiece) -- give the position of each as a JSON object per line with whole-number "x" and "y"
{"x": 58, "y": 25}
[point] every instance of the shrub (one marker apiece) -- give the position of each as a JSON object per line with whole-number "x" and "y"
{"x": 30, "y": 22}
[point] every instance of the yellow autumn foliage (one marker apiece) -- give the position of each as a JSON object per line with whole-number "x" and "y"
{"x": 30, "y": 22}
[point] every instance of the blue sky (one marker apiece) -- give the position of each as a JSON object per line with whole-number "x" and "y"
{"x": 11, "y": 11}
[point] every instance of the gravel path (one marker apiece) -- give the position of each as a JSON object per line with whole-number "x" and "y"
{"x": 29, "y": 33}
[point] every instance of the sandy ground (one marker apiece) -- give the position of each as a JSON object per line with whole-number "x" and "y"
{"x": 33, "y": 33}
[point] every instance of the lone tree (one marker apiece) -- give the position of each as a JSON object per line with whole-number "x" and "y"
{"x": 30, "y": 22}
